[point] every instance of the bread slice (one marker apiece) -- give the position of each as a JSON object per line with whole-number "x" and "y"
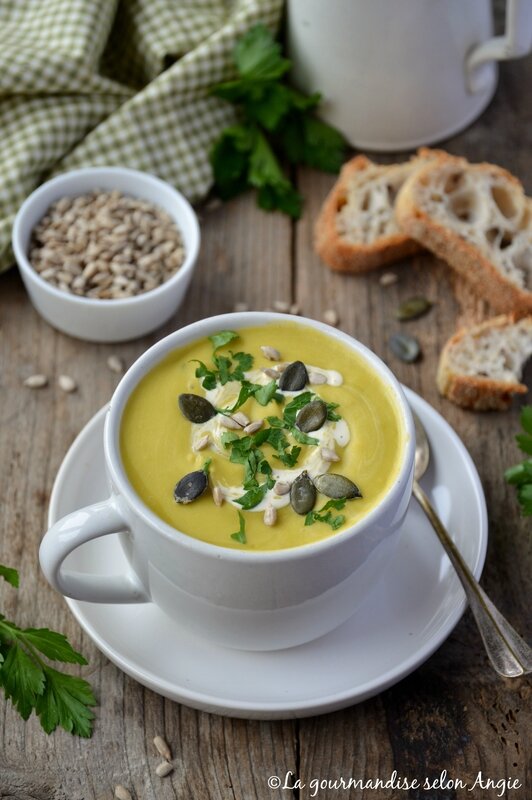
{"x": 356, "y": 230}
{"x": 478, "y": 219}
{"x": 480, "y": 367}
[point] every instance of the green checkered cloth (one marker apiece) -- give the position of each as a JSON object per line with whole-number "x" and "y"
{"x": 115, "y": 83}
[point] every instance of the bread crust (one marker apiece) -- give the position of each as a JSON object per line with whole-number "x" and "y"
{"x": 339, "y": 253}
{"x": 464, "y": 257}
{"x": 476, "y": 392}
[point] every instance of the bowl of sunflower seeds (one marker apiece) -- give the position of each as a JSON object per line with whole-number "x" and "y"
{"x": 106, "y": 253}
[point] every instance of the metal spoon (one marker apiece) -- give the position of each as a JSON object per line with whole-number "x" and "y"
{"x": 508, "y": 652}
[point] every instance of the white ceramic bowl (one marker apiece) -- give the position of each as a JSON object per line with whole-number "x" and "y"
{"x": 252, "y": 600}
{"x": 106, "y": 320}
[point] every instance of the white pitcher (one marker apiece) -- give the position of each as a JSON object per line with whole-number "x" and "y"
{"x": 396, "y": 74}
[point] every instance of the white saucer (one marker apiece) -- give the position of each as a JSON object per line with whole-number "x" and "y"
{"x": 405, "y": 618}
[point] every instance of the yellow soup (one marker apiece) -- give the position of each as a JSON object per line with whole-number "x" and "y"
{"x": 363, "y": 431}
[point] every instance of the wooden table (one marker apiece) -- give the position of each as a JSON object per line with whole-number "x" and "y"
{"x": 452, "y": 714}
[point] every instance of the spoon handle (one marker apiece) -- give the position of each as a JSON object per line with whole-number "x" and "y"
{"x": 508, "y": 652}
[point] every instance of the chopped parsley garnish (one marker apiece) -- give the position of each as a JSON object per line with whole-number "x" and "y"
{"x": 329, "y": 518}
{"x": 206, "y": 466}
{"x": 240, "y": 535}
{"x": 520, "y": 475}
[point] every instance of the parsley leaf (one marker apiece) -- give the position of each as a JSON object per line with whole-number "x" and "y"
{"x": 222, "y": 338}
{"x": 240, "y": 535}
{"x": 329, "y": 518}
{"x": 275, "y": 121}
{"x": 10, "y": 575}
{"x": 32, "y": 685}
{"x": 520, "y": 475}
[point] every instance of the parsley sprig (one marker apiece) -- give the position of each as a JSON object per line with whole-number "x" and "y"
{"x": 328, "y": 518}
{"x": 520, "y": 475}
{"x": 275, "y": 121}
{"x": 240, "y": 535}
{"x": 32, "y": 684}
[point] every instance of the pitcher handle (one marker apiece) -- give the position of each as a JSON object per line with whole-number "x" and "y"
{"x": 516, "y": 42}
{"x": 68, "y": 533}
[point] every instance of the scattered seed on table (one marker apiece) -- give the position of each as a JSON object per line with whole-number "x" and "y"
{"x": 405, "y": 347}
{"x": 67, "y": 384}
{"x": 36, "y": 381}
{"x": 330, "y": 316}
{"x": 163, "y": 769}
{"x": 282, "y": 306}
{"x": 115, "y": 364}
{"x": 413, "y": 308}
{"x": 162, "y": 748}
{"x": 388, "y": 279}
{"x": 240, "y": 307}
{"x": 295, "y": 309}
{"x": 121, "y": 793}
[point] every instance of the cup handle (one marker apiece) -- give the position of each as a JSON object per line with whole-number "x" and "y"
{"x": 516, "y": 42}
{"x": 84, "y": 525}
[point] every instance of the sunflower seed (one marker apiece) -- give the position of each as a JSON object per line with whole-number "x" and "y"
{"x": 230, "y": 423}
{"x": 115, "y": 364}
{"x": 413, "y": 308}
{"x": 271, "y": 372}
{"x": 253, "y": 427}
{"x": 295, "y": 309}
{"x": 190, "y": 487}
{"x": 67, "y": 384}
{"x": 240, "y": 307}
{"x": 121, "y": 793}
{"x": 36, "y": 381}
{"x": 330, "y": 316}
{"x": 294, "y": 377}
{"x": 270, "y": 352}
{"x": 163, "y": 769}
{"x": 388, "y": 279}
{"x": 312, "y": 416}
{"x": 282, "y": 306}
{"x": 336, "y": 486}
{"x": 329, "y": 455}
{"x": 201, "y": 444}
{"x": 218, "y": 497}
{"x": 196, "y": 408}
{"x": 302, "y": 494}
{"x": 270, "y": 516}
{"x": 316, "y": 378}
{"x": 281, "y": 488}
{"x": 241, "y": 418}
{"x": 162, "y": 747}
{"x": 405, "y": 347}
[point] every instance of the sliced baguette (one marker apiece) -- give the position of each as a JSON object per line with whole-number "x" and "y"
{"x": 356, "y": 229}
{"x": 480, "y": 367}
{"x": 478, "y": 219}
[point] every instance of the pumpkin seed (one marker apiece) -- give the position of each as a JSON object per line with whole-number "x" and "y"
{"x": 294, "y": 378}
{"x": 190, "y": 487}
{"x": 405, "y": 347}
{"x": 413, "y": 308}
{"x": 302, "y": 494}
{"x": 196, "y": 408}
{"x": 312, "y": 416}
{"x": 336, "y": 486}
